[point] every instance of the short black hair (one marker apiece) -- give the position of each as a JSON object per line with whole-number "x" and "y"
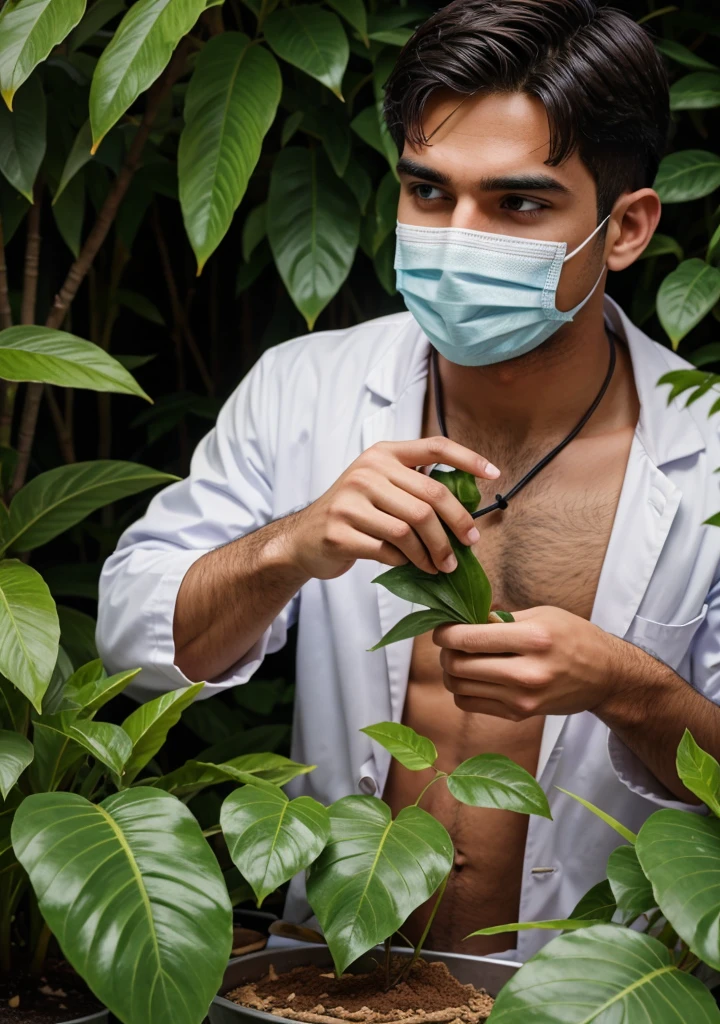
{"x": 597, "y": 72}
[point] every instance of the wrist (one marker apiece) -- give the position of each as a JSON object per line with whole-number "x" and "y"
{"x": 636, "y": 683}
{"x": 281, "y": 550}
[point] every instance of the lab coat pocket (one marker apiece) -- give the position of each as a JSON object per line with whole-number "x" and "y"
{"x": 668, "y": 641}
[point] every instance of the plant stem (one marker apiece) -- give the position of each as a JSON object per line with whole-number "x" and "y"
{"x": 426, "y": 931}
{"x": 439, "y": 775}
{"x": 388, "y": 961}
{"x": 32, "y": 258}
{"x": 668, "y": 936}
{"x": 62, "y": 427}
{"x": 38, "y": 960}
{"x": 5, "y": 311}
{"x": 90, "y": 249}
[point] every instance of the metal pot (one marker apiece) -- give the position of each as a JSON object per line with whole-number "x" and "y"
{"x": 484, "y": 972}
{"x": 101, "y": 1017}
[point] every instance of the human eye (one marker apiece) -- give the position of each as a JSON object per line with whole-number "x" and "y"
{"x": 522, "y": 204}
{"x": 427, "y": 193}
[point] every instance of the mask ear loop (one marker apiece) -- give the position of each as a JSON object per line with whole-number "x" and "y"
{"x": 588, "y": 239}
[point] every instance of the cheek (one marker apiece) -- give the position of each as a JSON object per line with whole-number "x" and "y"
{"x": 577, "y": 278}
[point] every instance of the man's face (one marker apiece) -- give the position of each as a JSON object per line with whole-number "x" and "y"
{"x": 484, "y": 168}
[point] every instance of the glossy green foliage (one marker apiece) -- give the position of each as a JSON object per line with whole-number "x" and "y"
{"x": 598, "y": 904}
{"x": 608, "y": 975}
{"x": 150, "y": 723}
{"x": 23, "y": 135}
{"x": 699, "y": 772}
{"x": 374, "y": 872}
{"x": 632, "y": 891}
{"x": 194, "y": 776}
{"x": 16, "y": 753}
{"x": 29, "y": 29}
{"x": 271, "y": 838}
{"x": 313, "y": 40}
{"x": 29, "y": 630}
{"x": 411, "y": 750}
{"x": 493, "y": 780}
{"x": 138, "y": 867}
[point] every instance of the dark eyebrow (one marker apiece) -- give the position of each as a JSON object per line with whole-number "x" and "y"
{"x": 504, "y": 183}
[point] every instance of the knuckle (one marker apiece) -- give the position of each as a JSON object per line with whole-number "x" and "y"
{"x": 537, "y": 676}
{"x": 434, "y": 491}
{"x": 420, "y": 514}
{"x": 360, "y": 478}
{"x": 437, "y": 446}
{"x": 400, "y": 530}
{"x": 541, "y": 638}
{"x": 525, "y": 706}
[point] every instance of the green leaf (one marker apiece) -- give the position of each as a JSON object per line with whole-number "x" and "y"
{"x": 706, "y": 354}
{"x": 631, "y": 837}
{"x": 354, "y": 13}
{"x": 55, "y": 357}
{"x": 271, "y": 838}
{"x": 96, "y": 18}
{"x": 413, "y": 625}
{"x": 313, "y": 226}
{"x": 686, "y": 296}
{"x": 311, "y": 39}
{"x": 56, "y": 500}
{"x": 88, "y": 692}
{"x": 713, "y": 249}
{"x": 138, "y": 868}
{"x": 571, "y": 924}
{"x": 699, "y": 772}
{"x": 714, "y": 520}
{"x": 689, "y": 174}
{"x": 677, "y": 52}
{"x": 79, "y": 155}
{"x": 374, "y": 873}
{"x": 30, "y": 29}
{"x": 29, "y": 630}
{"x": 598, "y": 903}
{"x": 230, "y": 105}
{"x": 77, "y": 635}
{"x": 359, "y": 182}
{"x": 371, "y": 128}
{"x": 392, "y": 36}
{"x": 14, "y": 707}
{"x": 194, "y": 776}
{"x": 680, "y": 854}
{"x": 386, "y": 204}
{"x": 56, "y": 751}
{"x": 420, "y": 587}
{"x": 16, "y": 753}
{"x": 493, "y": 780}
{"x": 412, "y": 750}
{"x": 604, "y": 974}
{"x": 136, "y": 56}
{"x": 698, "y": 91}
{"x": 632, "y": 891}
{"x": 461, "y": 485}
{"x": 143, "y": 307}
{"x": 254, "y": 230}
{"x": 662, "y": 245}
{"x": 69, "y": 214}
{"x": 149, "y": 724}
{"x": 22, "y": 138}
{"x": 331, "y": 127}
{"x": 108, "y": 743}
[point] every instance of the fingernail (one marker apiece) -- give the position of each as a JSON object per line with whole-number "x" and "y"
{"x": 491, "y": 470}
{"x": 473, "y": 536}
{"x": 450, "y": 564}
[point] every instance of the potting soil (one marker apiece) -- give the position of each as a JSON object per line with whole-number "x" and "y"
{"x": 428, "y": 995}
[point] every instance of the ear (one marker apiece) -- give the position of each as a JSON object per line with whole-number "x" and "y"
{"x": 632, "y": 224}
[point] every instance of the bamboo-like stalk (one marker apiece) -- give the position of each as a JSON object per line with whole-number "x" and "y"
{"x": 90, "y": 249}
{"x": 5, "y": 311}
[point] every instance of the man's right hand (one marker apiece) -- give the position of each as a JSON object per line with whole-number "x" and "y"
{"x": 382, "y": 509}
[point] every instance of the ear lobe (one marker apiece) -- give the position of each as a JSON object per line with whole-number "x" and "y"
{"x": 637, "y": 215}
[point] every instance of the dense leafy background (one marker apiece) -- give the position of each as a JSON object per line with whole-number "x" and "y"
{"x": 258, "y": 106}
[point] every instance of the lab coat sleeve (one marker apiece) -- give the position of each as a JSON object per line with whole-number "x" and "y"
{"x": 701, "y": 667}
{"x": 228, "y": 494}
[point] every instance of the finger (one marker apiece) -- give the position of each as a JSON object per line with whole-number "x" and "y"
{"x": 421, "y": 517}
{"x": 429, "y": 451}
{"x": 507, "y": 670}
{"x": 374, "y": 522}
{"x": 360, "y": 545}
{"x": 440, "y": 499}
{"x": 495, "y": 708}
{"x": 495, "y": 638}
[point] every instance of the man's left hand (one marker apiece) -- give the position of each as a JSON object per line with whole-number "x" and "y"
{"x": 547, "y": 662}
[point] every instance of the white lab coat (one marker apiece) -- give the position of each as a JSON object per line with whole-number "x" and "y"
{"x": 301, "y": 416}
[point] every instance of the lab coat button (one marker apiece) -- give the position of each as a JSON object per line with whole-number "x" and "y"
{"x": 367, "y": 785}
{"x": 543, "y": 871}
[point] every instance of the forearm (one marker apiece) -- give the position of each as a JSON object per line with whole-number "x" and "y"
{"x": 651, "y": 711}
{"x": 230, "y": 596}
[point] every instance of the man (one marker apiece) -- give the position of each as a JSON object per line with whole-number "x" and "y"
{"x": 530, "y": 134}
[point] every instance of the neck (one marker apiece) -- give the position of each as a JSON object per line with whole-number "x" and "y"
{"x": 545, "y": 391}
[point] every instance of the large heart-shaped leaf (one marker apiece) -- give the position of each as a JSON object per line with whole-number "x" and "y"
{"x": 598, "y": 904}
{"x": 196, "y": 775}
{"x": 374, "y": 872}
{"x": 56, "y": 500}
{"x": 686, "y": 296}
{"x": 493, "y": 780}
{"x": 16, "y": 753}
{"x": 136, "y": 55}
{"x": 406, "y": 746}
{"x": 107, "y": 743}
{"x": 697, "y": 91}
{"x": 699, "y": 772}
{"x": 29, "y": 630}
{"x": 271, "y": 838}
{"x": 55, "y": 357}
{"x": 607, "y": 975}
{"x": 313, "y": 227}
{"x": 23, "y": 138}
{"x": 414, "y": 624}
{"x": 680, "y": 854}
{"x": 632, "y": 890}
{"x": 135, "y": 897}
{"x": 230, "y": 105}
{"x": 689, "y": 174}
{"x": 313, "y": 40}
{"x": 149, "y": 724}
{"x": 30, "y": 29}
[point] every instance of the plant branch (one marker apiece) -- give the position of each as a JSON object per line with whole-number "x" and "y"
{"x": 95, "y": 239}
{"x": 32, "y": 258}
{"x": 5, "y": 311}
{"x": 426, "y": 931}
{"x": 438, "y": 776}
{"x": 38, "y": 960}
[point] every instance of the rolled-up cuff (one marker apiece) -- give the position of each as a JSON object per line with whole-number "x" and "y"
{"x": 640, "y": 780}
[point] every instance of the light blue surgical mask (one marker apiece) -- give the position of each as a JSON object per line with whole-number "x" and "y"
{"x": 482, "y": 298}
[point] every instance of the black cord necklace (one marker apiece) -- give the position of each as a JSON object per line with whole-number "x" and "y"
{"x": 501, "y": 500}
